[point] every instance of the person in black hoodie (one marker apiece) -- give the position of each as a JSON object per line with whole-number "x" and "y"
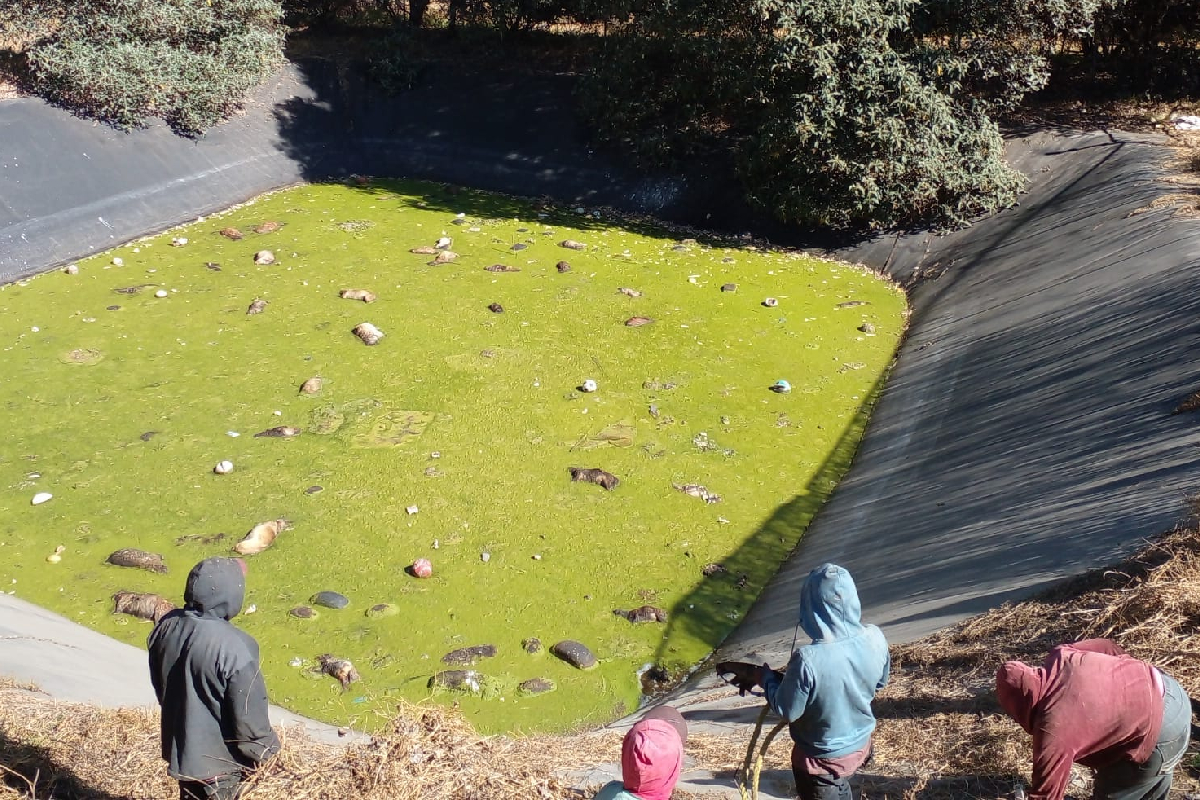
{"x": 207, "y": 678}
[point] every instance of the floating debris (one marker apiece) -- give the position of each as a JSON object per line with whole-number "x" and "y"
{"x": 71, "y": 269}
{"x": 141, "y": 559}
{"x": 443, "y": 257}
{"x": 637, "y": 322}
{"x": 142, "y": 605}
{"x": 780, "y": 387}
{"x": 213, "y": 265}
{"x": 369, "y": 334}
{"x": 312, "y": 385}
{"x": 118, "y": 262}
{"x": 625, "y": 290}
{"x": 412, "y": 509}
{"x": 562, "y": 266}
{"x": 383, "y": 610}
{"x": 501, "y": 268}
{"x": 770, "y": 302}
{"x": 574, "y": 653}
{"x": 161, "y": 293}
{"x": 257, "y": 307}
{"x": 532, "y": 645}
{"x": 334, "y": 600}
{"x": 261, "y": 536}
{"x": 179, "y": 241}
{"x": 314, "y": 489}
{"x": 279, "y": 431}
{"x": 223, "y": 467}
{"x": 536, "y": 686}
{"x": 339, "y": 668}
{"x": 231, "y": 233}
{"x": 495, "y": 308}
{"x": 698, "y": 491}
{"x": 1189, "y": 403}
{"x": 422, "y": 568}
{"x": 443, "y": 243}
{"x": 56, "y": 556}
{"x": 358, "y": 294}
{"x": 264, "y": 258}
{"x": 642, "y": 614}
{"x": 729, "y": 287}
{"x": 424, "y": 250}
{"x": 133, "y": 289}
{"x": 597, "y": 476}
{"x": 270, "y": 226}
{"x": 485, "y": 556}
{"x": 199, "y": 538}
{"x": 251, "y": 609}
{"x": 304, "y": 612}
{"x": 457, "y": 680}
{"x": 466, "y": 656}
{"x": 588, "y": 386}
{"x": 709, "y": 570}
{"x": 571, "y": 244}
{"x": 851, "y": 304}
{"x": 867, "y": 328}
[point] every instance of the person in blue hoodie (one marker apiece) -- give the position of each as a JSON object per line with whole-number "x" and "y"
{"x": 826, "y": 692}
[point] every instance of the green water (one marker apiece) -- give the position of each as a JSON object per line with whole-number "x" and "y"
{"x": 492, "y": 395}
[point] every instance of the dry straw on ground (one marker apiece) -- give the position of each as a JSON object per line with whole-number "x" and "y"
{"x": 940, "y": 733}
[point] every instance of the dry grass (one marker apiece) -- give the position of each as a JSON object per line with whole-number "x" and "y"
{"x": 940, "y": 733}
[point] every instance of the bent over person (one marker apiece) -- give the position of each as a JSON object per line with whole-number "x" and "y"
{"x": 826, "y": 692}
{"x": 207, "y": 678}
{"x": 1091, "y": 702}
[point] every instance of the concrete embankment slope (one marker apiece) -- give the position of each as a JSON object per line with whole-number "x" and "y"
{"x": 1025, "y": 433}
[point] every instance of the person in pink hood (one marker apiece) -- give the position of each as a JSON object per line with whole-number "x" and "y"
{"x": 651, "y": 758}
{"x": 1092, "y": 703}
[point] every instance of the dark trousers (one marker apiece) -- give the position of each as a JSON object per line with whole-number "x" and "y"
{"x": 1126, "y": 780}
{"x": 222, "y": 787}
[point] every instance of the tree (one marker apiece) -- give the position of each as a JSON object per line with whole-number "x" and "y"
{"x": 835, "y": 113}
{"x": 190, "y": 62}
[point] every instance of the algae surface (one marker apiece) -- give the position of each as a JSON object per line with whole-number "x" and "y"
{"x": 450, "y": 439}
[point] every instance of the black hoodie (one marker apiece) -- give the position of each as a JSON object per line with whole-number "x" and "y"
{"x": 206, "y": 675}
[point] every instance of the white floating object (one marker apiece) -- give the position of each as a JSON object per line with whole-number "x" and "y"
{"x": 35, "y": 329}
{"x": 460, "y": 215}
{"x": 443, "y": 243}
{"x": 56, "y": 556}
{"x": 770, "y": 302}
{"x": 485, "y": 556}
{"x": 537, "y": 556}
{"x": 296, "y": 662}
{"x": 250, "y": 609}
{"x": 41, "y": 497}
{"x": 589, "y": 385}
{"x": 161, "y": 293}
{"x": 278, "y": 413}
{"x": 412, "y": 509}
{"x": 223, "y": 467}
{"x": 179, "y": 241}
{"x": 233, "y": 434}
{"x": 71, "y": 269}
{"x": 118, "y": 262}
{"x": 1187, "y": 123}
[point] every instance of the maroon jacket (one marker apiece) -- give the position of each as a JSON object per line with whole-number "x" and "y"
{"x": 1089, "y": 702}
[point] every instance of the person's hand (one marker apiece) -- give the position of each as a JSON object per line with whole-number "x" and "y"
{"x": 741, "y": 675}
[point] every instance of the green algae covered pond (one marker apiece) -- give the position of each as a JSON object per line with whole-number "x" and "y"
{"x": 450, "y": 440}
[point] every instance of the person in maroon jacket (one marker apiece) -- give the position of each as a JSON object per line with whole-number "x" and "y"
{"x": 1091, "y": 702}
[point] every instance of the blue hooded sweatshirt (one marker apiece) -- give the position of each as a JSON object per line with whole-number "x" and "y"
{"x": 827, "y": 690}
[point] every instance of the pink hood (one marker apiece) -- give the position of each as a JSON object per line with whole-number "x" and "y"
{"x": 651, "y": 759}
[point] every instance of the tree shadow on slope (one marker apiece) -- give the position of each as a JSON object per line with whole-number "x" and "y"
{"x": 500, "y": 130}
